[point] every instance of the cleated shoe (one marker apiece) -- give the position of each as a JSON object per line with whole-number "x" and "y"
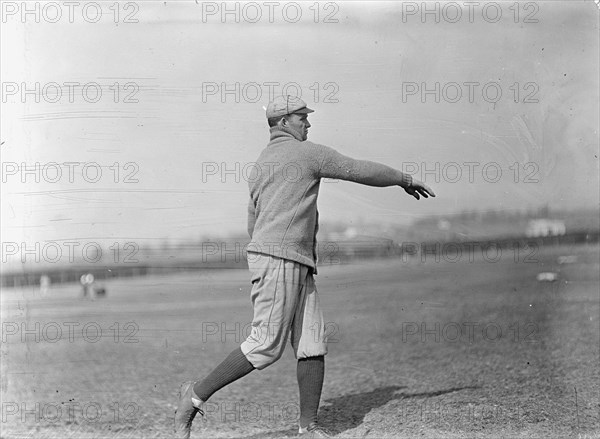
{"x": 313, "y": 431}
{"x": 186, "y": 410}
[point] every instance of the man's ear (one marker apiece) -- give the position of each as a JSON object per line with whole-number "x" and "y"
{"x": 283, "y": 121}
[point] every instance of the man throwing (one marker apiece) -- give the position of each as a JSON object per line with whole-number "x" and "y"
{"x": 282, "y": 258}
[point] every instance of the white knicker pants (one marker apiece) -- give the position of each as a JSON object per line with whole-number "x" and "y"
{"x": 285, "y": 300}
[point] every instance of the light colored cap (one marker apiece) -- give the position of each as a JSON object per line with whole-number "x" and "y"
{"x": 282, "y": 105}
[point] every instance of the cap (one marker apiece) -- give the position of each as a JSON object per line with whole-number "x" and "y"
{"x": 282, "y": 105}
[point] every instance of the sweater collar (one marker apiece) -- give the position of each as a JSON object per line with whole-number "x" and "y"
{"x": 282, "y": 133}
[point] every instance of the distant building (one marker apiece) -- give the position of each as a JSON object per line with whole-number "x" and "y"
{"x": 545, "y": 227}
{"x": 444, "y": 224}
{"x": 351, "y": 233}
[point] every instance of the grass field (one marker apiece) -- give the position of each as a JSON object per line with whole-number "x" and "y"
{"x": 434, "y": 349}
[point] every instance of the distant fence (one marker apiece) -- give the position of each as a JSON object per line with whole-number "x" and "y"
{"x": 344, "y": 252}
{"x": 509, "y": 243}
{"x": 101, "y": 272}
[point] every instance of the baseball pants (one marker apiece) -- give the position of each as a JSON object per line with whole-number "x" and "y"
{"x": 285, "y": 300}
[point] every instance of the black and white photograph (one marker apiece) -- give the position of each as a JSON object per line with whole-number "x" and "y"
{"x": 300, "y": 219}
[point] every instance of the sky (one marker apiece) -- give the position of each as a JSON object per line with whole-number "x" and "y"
{"x": 160, "y": 153}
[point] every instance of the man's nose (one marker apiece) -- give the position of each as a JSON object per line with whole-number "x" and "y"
{"x": 308, "y": 124}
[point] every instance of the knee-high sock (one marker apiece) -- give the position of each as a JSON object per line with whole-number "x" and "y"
{"x": 311, "y": 372}
{"x": 234, "y": 367}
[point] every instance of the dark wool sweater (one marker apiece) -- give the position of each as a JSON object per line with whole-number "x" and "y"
{"x": 284, "y": 185}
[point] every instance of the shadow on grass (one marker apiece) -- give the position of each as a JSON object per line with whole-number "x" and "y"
{"x": 279, "y": 434}
{"x": 348, "y": 411}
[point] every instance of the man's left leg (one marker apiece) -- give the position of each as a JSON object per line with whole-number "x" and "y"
{"x": 310, "y": 346}
{"x": 311, "y": 372}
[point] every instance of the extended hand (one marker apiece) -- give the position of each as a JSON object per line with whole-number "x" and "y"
{"x": 418, "y": 189}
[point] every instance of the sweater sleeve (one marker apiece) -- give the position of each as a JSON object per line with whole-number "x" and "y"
{"x": 332, "y": 164}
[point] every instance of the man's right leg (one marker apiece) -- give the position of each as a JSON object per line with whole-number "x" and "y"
{"x": 274, "y": 296}
{"x": 193, "y": 395}
{"x": 234, "y": 367}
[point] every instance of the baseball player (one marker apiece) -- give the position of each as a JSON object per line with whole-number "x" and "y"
{"x": 282, "y": 258}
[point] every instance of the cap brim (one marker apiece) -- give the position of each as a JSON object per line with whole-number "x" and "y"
{"x": 304, "y": 110}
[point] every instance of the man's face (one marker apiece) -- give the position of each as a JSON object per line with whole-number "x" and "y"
{"x": 300, "y": 124}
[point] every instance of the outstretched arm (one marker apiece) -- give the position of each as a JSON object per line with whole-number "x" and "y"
{"x": 336, "y": 165}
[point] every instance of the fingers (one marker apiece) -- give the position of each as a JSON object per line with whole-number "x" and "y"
{"x": 415, "y": 193}
{"x": 420, "y": 190}
{"x": 424, "y": 190}
{"x": 429, "y": 191}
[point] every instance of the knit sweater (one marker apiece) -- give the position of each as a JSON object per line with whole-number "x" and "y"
{"x": 283, "y": 219}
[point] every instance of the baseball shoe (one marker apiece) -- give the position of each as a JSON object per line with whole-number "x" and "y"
{"x": 186, "y": 411}
{"x": 313, "y": 431}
